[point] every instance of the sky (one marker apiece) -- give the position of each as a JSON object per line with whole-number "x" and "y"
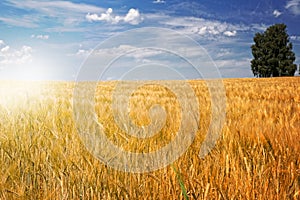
{"x": 58, "y": 40}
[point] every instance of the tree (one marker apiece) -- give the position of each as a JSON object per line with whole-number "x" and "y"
{"x": 272, "y": 52}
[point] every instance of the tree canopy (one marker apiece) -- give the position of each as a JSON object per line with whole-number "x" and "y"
{"x": 272, "y": 52}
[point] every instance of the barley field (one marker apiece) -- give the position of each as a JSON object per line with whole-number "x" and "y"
{"x": 257, "y": 155}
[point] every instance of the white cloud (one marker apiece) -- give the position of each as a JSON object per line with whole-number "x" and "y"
{"x": 107, "y": 16}
{"x": 120, "y": 50}
{"x": 15, "y": 56}
{"x": 214, "y": 31}
{"x": 132, "y": 17}
{"x": 1, "y": 42}
{"x": 295, "y": 37}
{"x": 145, "y": 55}
{"x": 206, "y": 28}
{"x": 21, "y": 22}
{"x": 277, "y": 13}
{"x": 259, "y": 27}
{"x": 82, "y": 53}
{"x": 5, "y": 49}
{"x": 123, "y": 51}
{"x": 223, "y": 63}
{"x": 64, "y": 12}
{"x": 209, "y": 29}
{"x": 55, "y": 7}
{"x": 42, "y": 37}
{"x": 293, "y": 6}
{"x": 234, "y": 67}
{"x": 158, "y": 1}
{"x": 223, "y": 52}
{"x": 202, "y": 30}
{"x": 230, "y": 33}
{"x": 61, "y": 29}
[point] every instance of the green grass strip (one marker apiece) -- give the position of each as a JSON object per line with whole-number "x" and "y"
{"x": 183, "y": 190}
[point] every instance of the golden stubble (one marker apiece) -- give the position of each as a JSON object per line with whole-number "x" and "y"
{"x": 256, "y": 157}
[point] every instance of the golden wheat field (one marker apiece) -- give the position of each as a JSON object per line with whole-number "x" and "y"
{"x": 256, "y": 157}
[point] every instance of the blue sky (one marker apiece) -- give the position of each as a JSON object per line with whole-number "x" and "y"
{"x": 52, "y": 39}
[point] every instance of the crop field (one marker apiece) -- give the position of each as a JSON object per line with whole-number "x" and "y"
{"x": 257, "y": 155}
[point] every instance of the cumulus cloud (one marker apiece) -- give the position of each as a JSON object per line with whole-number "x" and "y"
{"x": 15, "y": 56}
{"x": 42, "y": 37}
{"x": 107, "y": 16}
{"x": 5, "y": 49}
{"x": 159, "y": 1}
{"x": 230, "y": 33}
{"x": 293, "y": 6}
{"x": 132, "y": 17}
{"x": 205, "y": 30}
{"x": 276, "y": 13}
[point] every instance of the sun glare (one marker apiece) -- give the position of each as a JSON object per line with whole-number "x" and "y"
{"x": 32, "y": 73}
{"x": 17, "y": 94}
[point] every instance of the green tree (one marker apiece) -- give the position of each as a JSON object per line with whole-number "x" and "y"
{"x": 272, "y": 52}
